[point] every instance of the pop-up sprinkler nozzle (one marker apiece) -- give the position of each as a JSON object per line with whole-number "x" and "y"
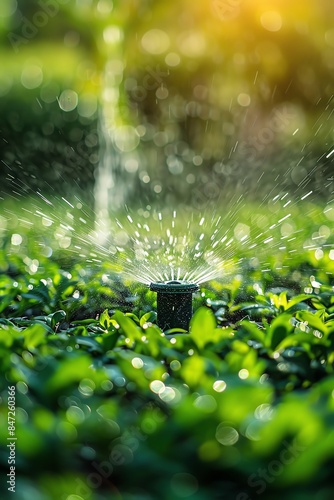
{"x": 174, "y": 303}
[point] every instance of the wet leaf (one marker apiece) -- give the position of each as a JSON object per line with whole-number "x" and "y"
{"x": 149, "y": 317}
{"x": 280, "y": 328}
{"x": 202, "y": 327}
{"x": 129, "y": 328}
{"x": 133, "y": 316}
{"x": 57, "y": 317}
{"x": 312, "y": 320}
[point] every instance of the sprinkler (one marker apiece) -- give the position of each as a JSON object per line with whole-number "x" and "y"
{"x": 174, "y": 303}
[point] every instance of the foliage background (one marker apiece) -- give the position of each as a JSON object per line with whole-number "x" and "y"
{"x": 107, "y": 405}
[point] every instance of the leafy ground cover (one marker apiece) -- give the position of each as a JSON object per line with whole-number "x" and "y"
{"x": 109, "y": 406}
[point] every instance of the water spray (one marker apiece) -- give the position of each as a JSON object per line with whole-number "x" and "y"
{"x": 174, "y": 303}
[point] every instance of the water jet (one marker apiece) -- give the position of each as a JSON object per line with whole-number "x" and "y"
{"x": 174, "y": 303}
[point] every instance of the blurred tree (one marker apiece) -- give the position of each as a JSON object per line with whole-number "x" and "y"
{"x": 186, "y": 89}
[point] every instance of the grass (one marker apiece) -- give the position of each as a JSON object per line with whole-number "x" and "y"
{"x": 108, "y": 406}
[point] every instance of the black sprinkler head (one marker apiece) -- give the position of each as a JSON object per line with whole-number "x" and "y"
{"x": 174, "y": 303}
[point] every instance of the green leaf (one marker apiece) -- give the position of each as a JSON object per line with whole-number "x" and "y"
{"x": 171, "y": 331}
{"x": 255, "y": 333}
{"x": 254, "y": 307}
{"x": 57, "y": 317}
{"x": 6, "y": 322}
{"x": 193, "y": 370}
{"x": 23, "y": 322}
{"x": 62, "y": 284}
{"x": 89, "y": 342}
{"x": 129, "y": 328}
{"x": 6, "y": 338}
{"x": 202, "y": 327}
{"x": 89, "y": 321}
{"x": 312, "y": 320}
{"x": 34, "y": 336}
{"x": 105, "y": 319}
{"x": 79, "y": 330}
{"x": 280, "y": 328}
{"x": 297, "y": 299}
{"x": 72, "y": 369}
{"x": 93, "y": 328}
{"x": 40, "y": 293}
{"x": 330, "y": 326}
{"x": 132, "y": 316}
{"x": 240, "y": 347}
{"x": 279, "y": 301}
{"x": 109, "y": 340}
{"x": 148, "y": 318}
{"x": 296, "y": 339}
{"x": 6, "y": 301}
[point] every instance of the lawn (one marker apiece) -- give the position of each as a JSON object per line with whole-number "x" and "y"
{"x": 109, "y": 406}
